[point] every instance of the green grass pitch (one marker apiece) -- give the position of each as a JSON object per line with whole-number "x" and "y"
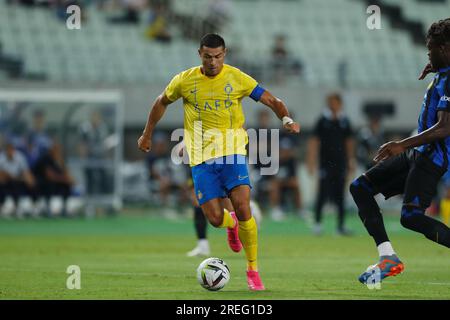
{"x": 143, "y": 257}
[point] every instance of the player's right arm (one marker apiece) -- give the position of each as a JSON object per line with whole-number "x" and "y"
{"x": 279, "y": 108}
{"x": 170, "y": 94}
{"x": 157, "y": 112}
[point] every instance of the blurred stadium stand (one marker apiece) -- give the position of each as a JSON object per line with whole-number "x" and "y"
{"x": 327, "y": 36}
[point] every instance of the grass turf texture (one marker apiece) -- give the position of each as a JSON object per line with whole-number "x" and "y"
{"x": 142, "y": 257}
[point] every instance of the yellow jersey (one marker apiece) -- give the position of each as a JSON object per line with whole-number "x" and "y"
{"x": 213, "y": 115}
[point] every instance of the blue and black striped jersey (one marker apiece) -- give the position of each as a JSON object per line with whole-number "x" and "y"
{"x": 437, "y": 98}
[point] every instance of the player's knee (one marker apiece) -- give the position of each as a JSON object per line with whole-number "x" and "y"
{"x": 360, "y": 186}
{"x": 409, "y": 212}
{"x": 216, "y": 220}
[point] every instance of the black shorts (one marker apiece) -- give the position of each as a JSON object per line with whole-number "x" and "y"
{"x": 410, "y": 173}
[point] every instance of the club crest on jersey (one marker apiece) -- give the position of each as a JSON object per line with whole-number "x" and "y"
{"x": 228, "y": 89}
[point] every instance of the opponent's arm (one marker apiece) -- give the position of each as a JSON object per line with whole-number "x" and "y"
{"x": 437, "y": 132}
{"x": 277, "y": 105}
{"x": 158, "y": 109}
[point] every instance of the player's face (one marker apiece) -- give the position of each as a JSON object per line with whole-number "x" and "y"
{"x": 437, "y": 55}
{"x": 212, "y": 60}
{"x": 334, "y": 104}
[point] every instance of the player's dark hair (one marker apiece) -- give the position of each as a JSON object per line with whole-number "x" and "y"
{"x": 335, "y": 95}
{"x": 439, "y": 32}
{"x": 212, "y": 40}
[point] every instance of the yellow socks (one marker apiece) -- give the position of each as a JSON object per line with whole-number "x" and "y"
{"x": 445, "y": 211}
{"x": 248, "y": 234}
{"x": 228, "y": 221}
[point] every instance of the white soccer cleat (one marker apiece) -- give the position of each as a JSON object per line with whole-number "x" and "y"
{"x": 318, "y": 229}
{"x": 277, "y": 214}
{"x": 201, "y": 250}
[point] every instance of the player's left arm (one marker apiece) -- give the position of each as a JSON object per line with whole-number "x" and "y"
{"x": 279, "y": 107}
{"x": 439, "y": 131}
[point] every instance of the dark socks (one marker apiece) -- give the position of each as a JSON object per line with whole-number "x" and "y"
{"x": 200, "y": 223}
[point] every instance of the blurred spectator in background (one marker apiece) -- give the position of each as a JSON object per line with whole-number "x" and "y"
{"x": 285, "y": 182}
{"x": 13, "y": 66}
{"x": 53, "y": 179}
{"x": 212, "y": 19}
{"x": 218, "y": 15}
{"x": 131, "y": 11}
{"x": 333, "y": 142}
{"x": 16, "y": 180}
{"x": 282, "y": 63}
{"x": 15, "y": 125}
{"x": 263, "y": 134}
{"x": 37, "y": 139}
{"x": 369, "y": 139}
{"x": 158, "y": 27}
{"x": 94, "y": 152}
{"x": 166, "y": 178}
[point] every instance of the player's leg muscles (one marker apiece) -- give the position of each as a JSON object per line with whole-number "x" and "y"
{"x": 387, "y": 177}
{"x": 226, "y": 204}
{"x": 363, "y": 194}
{"x": 420, "y": 189}
{"x": 240, "y": 199}
{"x": 248, "y": 230}
{"x": 214, "y": 212}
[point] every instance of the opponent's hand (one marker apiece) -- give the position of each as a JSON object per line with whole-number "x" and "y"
{"x": 144, "y": 143}
{"x": 292, "y": 127}
{"x": 389, "y": 150}
{"x": 428, "y": 69}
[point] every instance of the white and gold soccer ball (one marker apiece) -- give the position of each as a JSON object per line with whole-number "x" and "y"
{"x": 213, "y": 274}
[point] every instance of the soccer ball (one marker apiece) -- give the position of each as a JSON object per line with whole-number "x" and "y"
{"x": 213, "y": 274}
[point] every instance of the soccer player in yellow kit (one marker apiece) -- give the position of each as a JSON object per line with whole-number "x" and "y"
{"x": 216, "y": 141}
